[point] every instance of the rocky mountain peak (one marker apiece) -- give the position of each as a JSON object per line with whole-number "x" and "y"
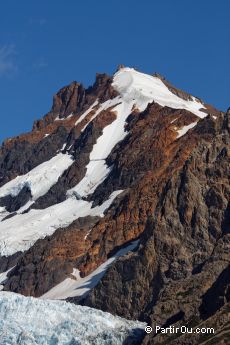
{"x": 68, "y": 100}
{"x": 119, "y": 199}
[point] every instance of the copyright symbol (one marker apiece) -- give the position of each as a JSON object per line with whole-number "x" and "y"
{"x": 148, "y": 329}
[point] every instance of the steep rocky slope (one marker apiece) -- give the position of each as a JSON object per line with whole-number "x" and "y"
{"x": 180, "y": 274}
{"x": 135, "y": 159}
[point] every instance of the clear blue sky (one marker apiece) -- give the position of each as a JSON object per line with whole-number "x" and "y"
{"x": 46, "y": 44}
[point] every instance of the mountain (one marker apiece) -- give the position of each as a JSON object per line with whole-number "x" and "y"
{"x": 118, "y": 199}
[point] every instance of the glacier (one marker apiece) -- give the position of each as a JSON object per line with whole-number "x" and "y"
{"x": 31, "y": 321}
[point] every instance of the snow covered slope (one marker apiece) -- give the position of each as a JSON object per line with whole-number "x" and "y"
{"x": 143, "y": 89}
{"x": 40, "y": 179}
{"x": 19, "y": 233}
{"x": 79, "y": 287}
{"x": 30, "y": 321}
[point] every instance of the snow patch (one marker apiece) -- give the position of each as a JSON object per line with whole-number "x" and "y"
{"x": 58, "y": 118}
{"x": 185, "y": 129}
{"x": 174, "y": 120}
{"x": 83, "y": 116}
{"x": 69, "y": 116}
{"x": 79, "y": 287}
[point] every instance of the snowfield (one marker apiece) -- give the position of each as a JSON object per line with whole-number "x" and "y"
{"x": 31, "y": 321}
{"x": 144, "y": 89}
{"x": 20, "y": 232}
{"x": 40, "y": 179}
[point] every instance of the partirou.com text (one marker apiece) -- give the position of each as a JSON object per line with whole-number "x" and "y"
{"x": 181, "y": 329}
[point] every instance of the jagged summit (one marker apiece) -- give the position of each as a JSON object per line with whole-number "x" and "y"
{"x": 74, "y": 98}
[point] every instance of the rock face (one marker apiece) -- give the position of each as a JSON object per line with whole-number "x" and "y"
{"x": 172, "y": 165}
{"x": 182, "y": 265}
